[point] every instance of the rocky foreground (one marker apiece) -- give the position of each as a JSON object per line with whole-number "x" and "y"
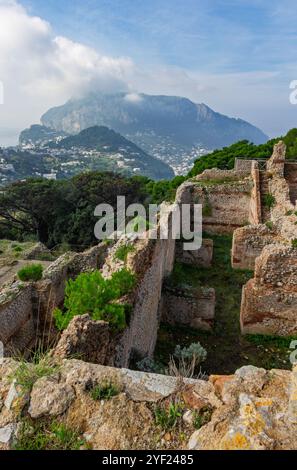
{"x": 253, "y": 409}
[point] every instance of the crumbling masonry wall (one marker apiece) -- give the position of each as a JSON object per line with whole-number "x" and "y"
{"x": 193, "y": 307}
{"x": 226, "y": 198}
{"x": 26, "y": 308}
{"x": 269, "y": 300}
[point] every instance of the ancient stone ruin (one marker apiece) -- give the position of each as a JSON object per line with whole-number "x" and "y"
{"x": 256, "y": 203}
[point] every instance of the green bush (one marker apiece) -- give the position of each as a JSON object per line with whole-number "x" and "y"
{"x": 194, "y": 351}
{"x": 294, "y": 243}
{"x": 91, "y": 293}
{"x": 269, "y": 201}
{"x": 32, "y": 272}
{"x": 104, "y": 392}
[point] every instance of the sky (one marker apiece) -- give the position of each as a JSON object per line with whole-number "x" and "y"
{"x": 237, "y": 56}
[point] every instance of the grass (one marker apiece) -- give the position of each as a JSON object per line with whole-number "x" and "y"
{"x": 269, "y": 201}
{"x": 123, "y": 251}
{"x": 201, "y": 417}
{"x": 281, "y": 342}
{"x": 105, "y": 391}
{"x": 168, "y": 417}
{"x": 32, "y": 272}
{"x": 207, "y": 209}
{"x": 227, "y": 350}
{"x": 28, "y": 373}
{"x": 47, "y": 436}
{"x": 10, "y": 249}
{"x": 269, "y": 225}
{"x": 218, "y": 181}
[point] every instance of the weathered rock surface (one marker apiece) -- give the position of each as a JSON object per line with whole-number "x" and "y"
{"x": 86, "y": 339}
{"x": 257, "y": 413}
{"x": 253, "y": 409}
{"x": 50, "y": 398}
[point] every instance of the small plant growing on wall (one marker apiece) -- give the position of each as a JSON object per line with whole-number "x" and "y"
{"x": 27, "y": 373}
{"x": 207, "y": 209}
{"x": 294, "y": 243}
{"x": 123, "y": 251}
{"x": 47, "y": 436}
{"x": 168, "y": 417}
{"x": 269, "y": 201}
{"x": 269, "y": 225}
{"x": 202, "y": 417}
{"x": 31, "y": 272}
{"x": 104, "y": 391}
{"x": 93, "y": 294}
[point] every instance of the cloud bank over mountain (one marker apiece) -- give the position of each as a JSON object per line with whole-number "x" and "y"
{"x": 41, "y": 68}
{"x": 38, "y": 69}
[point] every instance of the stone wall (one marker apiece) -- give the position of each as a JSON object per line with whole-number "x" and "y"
{"x": 188, "y": 306}
{"x": 201, "y": 257}
{"x": 248, "y": 243}
{"x": 26, "y": 308}
{"x": 255, "y": 216}
{"x": 17, "y": 329}
{"x": 291, "y": 178}
{"x": 253, "y": 409}
{"x": 225, "y": 196}
{"x": 151, "y": 261}
{"x": 241, "y": 164}
{"x": 269, "y": 300}
{"x": 89, "y": 340}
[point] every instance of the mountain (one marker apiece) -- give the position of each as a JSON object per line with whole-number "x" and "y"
{"x": 54, "y": 154}
{"x": 37, "y": 136}
{"x": 167, "y": 127}
{"x": 107, "y": 141}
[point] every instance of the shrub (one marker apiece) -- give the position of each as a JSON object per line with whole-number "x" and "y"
{"x": 294, "y": 243}
{"x": 104, "y": 392}
{"x": 149, "y": 365}
{"x": 194, "y": 351}
{"x": 18, "y": 249}
{"x": 185, "y": 361}
{"x": 269, "y": 201}
{"x": 123, "y": 251}
{"x": 167, "y": 418}
{"x": 52, "y": 436}
{"x": 32, "y": 272}
{"x": 91, "y": 293}
{"x": 28, "y": 373}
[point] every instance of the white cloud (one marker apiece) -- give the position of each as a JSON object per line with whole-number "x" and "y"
{"x": 133, "y": 98}
{"x": 39, "y": 69}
